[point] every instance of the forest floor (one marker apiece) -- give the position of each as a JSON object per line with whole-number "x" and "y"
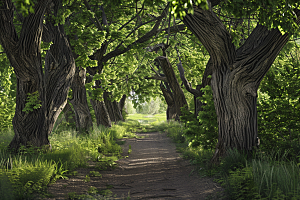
{"x": 153, "y": 170}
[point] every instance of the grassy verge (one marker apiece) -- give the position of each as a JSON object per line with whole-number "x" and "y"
{"x": 264, "y": 176}
{"x": 144, "y": 122}
{"x": 27, "y": 174}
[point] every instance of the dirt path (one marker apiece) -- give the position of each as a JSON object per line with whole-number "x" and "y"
{"x": 153, "y": 170}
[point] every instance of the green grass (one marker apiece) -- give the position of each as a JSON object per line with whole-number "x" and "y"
{"x": 144, "y": 122}
{"x": 266, "y": 175}
{"x": 24, "y": 175}
{"x": 147, "y": 119}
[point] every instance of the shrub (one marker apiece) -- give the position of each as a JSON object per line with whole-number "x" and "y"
{"x": 202, "y": 131}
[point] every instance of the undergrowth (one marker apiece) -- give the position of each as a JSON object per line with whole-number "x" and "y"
{"x": 264, "y": 175}
{"x": 27, "y": 174}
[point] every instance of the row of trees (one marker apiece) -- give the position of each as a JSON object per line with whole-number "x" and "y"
{"x": 97, "y": 52}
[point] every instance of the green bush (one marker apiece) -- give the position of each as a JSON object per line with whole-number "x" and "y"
{"x": 233, "y": 160}
{"x": 175, "y": 131}
{"x": 239, "y": 184}
{"x": 202, "y": 131}
{"x": 278, "y": 105}
{"x": 7, "y": 94}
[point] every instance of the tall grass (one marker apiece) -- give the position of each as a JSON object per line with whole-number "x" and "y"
{"x": 27, "y": 173}
{"x": 263, "y": 177}
{"x": 270, "y": 177}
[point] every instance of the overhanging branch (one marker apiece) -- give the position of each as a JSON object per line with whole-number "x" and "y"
{"x": 155, "y": 77}
{"x": 144, "y": 38}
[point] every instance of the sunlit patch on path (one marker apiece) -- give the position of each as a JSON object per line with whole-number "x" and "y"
{"x": 153, "y": 170}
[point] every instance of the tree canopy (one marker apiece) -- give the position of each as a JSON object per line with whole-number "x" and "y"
{"x": 94, "y": 54}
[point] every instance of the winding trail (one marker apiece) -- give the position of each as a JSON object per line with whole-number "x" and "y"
{"x": 153, "y": 170}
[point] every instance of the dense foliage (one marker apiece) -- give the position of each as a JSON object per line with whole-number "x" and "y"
{"x": 278, "y": 104}
{"x": 203, "y": 130}
{"x": 116, "y": 42}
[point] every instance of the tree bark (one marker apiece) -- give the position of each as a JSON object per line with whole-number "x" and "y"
{"x": 112, "y": 108}
{"x": 83, "y": 116}
{"x": 236, "y": 75}
{"x": 33, "y": 127}
{"x": 101, "y": 112}
{"x": 26, "y": 61}
{"x": 178, "y": 95}
{"x": 171, "y": 109}
{"x": 59, "y": 72}
{"x": 117, "y": 111}
{"x": 122, "y": 102}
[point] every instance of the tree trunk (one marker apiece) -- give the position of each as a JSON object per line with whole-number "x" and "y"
{"x": 178, "y": 95}
{"x": 59, "y": 72}
{"x": 101, "y": 113}
{"x": 117, "y": 111}
{"x": 83, "y": 116}
{"x": 236, "y": 75}
{"x": 122, "y": 104}
{"x": 33, "y": 126}
{"x": 112, "y": 108}
{"x": 171, "y": 109}
{"x": 26, "y": 60}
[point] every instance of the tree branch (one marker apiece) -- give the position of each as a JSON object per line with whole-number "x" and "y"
{"x": 212, "y": 33}
{"x": 256, "y": 62}
{"x": 96, "y": 19}
{"x": 8, "y": 34}
{"x": 131, "y": 18}
{"x": 184, "y": 80}
{"x": 160, "y": 78}
{"x": 144, "y": 38}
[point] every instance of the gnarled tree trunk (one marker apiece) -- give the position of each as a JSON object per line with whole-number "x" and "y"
{"x": 171, "y": 109}
{"x": 236, "y": 75}
{"x": 178, "y": 95}
{"x": 33, "y": 127}
{"x": 83, "y": 116}
{"x": 101, "y": 112}
{"x": 112, "y": 108}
